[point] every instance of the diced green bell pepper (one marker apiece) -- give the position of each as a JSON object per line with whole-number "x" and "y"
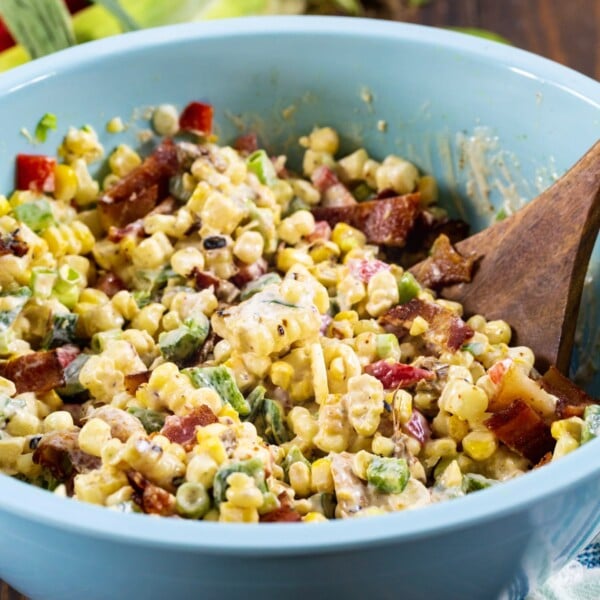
{"x": 388, "y": 475}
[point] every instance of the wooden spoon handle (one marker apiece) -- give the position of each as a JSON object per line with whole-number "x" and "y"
{"x": 533, "y": 264}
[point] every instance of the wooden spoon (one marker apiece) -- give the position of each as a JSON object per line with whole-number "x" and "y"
{"x": 533, "y": 264}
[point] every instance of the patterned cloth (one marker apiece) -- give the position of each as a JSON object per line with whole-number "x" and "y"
{"x": 579, "y": 580}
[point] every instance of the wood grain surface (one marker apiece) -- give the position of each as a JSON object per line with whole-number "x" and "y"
{"x": 567, "y": 31}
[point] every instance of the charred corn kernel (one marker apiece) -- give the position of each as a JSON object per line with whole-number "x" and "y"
{"x": 65, "y": 183}
{"x": 281, "y": 374}
{"x": 324, "y": 251}
{"x": 314, "y": 517}
{"x": 290, "y": 257}
{"x": 229, "y": 513}
{"x": 360, "y": 463}
{"x": 572, "y": 426}
{"x": 428, "y": 189}
{"x": 452, "y": 476}
{"x": 321, "y": 477}
{"x": 566, "y": 443}
{"x": 479, "y": 445}
{"x": 382, "y": 446}
{"x": 61, "y": 420}
{"x": 93, "y": 435}
{"x": 403, "y": 405}
{"x": 497, "y": 332}
{"x": 5, "y": 206}
{"x": 419, "y": 326}
{"x": 249, "y": 247}
{"x": 299, "y": 474}
{"x": 347, "y": 237}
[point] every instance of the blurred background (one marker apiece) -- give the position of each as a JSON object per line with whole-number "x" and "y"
{"x": 566, "y": 31}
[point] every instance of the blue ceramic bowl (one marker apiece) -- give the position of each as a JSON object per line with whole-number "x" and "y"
{"x": 435, "y": 91}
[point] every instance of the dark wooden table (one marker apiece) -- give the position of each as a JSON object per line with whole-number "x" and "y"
{"x": 567, "y": 31}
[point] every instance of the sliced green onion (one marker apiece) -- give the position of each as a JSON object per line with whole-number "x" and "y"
{"x": 408, "y": 288}
{"x": 100, "y": 340}
{"x": 475, "y": 348}
{"x": 11, "y": 304}
{"x": 37, "y": 214}
{"x": 260, "y": 164}
{"x": 42, "y": 281}
{"x": 192, "y": 500}
{"x": 472, "y": 482}
{"x": 45, "y": 124}
{"x": 62, "y": 331}
{"x": 68, "y": 286}
{"x": 258, "y": 285}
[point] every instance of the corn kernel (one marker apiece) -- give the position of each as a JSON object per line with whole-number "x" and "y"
{"x": 480, "y": 445}
{"x": 314, "y": 517}
{"x": 347, "y": 237}
{"x": 572, "y": 426}
{"x": 419, "y": 326}
{"x": 383, "y": 446}
{"x": 65, "y": 183}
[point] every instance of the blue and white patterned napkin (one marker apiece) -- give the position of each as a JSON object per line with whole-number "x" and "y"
{"x": 579, "y": 580}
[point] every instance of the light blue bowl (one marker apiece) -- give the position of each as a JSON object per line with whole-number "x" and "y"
{"x": 427, "y": 85}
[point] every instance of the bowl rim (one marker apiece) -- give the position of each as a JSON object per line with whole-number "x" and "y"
{"x": 27, "y": 502}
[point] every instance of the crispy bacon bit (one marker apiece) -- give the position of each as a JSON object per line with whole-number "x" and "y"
{"x": 247, "y": 143}
{"x": 572, "y": 400}
{"x": 153, "y": 500}
{"x": 321, "y": 232}
{"x": 544, "y": 460}
{"x": 418, "y": 427}
{"x": 197, "y": 117}
{"x": 139, "y": 191}
{"x": 446, "y": 330}
{"x": 284, "y": 514}
{"x": 11, "y": 243}
{"x": 364, "y": 269}
{"x": 397, "y": 375}
{"x": 60, "y": 453}
{"x": 39, "y": 371}
{"x": 35, "y": 173}
{"x": 444, "y": 267}
{"x": 204, "y": 280}
{"x": 182, "y": 430}
{"x": 386, "y": 222}
{"x": 134, "y": 380}
{"x": 110, "y": 284}
{"x": 247, "y": 273}
{"x": 522, "y": 430}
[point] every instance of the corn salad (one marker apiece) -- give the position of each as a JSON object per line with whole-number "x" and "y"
{"x": 207, "y": 346}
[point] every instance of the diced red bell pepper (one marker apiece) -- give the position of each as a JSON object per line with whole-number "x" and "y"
{"x": 397, "y": 375}
{"x": 364, "y": 269}
{"x": 497, "y": 371}
{"x": 418, "y": 427}
{"x": 35, "y": 172}
{"x": 197, "y": 117}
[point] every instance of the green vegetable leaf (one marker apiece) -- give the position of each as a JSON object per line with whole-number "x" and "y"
{"x": 47, "y": 122}
{"x": 40, "y": 26}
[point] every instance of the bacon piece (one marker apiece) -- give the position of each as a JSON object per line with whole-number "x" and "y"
{"x": 110, "y": 284}
{"x": 321, "y": 232}
{"x": 334, "y": 193}
{"x": 182, "y": 430}
{"x": 11, "y": 243}
{"x": 136, "y": 228}
{"x": 247, "y": 273}
{"x": 39, "y": 371}
{"x": 197, "y": 117}
{"x": 572, "y": 400}
{"x": 418, "y": 427}
{"x": 35, "y": 172}
{"x": 445, "y": 266}
{"x": 204, "y": 280}
{"x": 386, "y": 222}
{"x": 284, "y": 514}
{"x": 397, "y": 375}
{"x": 134, "y": 380}
{"x": 59, "y": 452}
{"x": 522, "y": 430}
{"x": 323, "y": 178}
{"x": 446, "y": 330}
{"x": 364, "y": 269}
{"x": 247, "y": 143}
{"x": 139, "y": 191}
{"x": 152, "y": 499}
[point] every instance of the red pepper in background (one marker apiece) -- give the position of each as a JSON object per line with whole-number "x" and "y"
{"x": 197, "y": 117}
{"x": 35, "y": 172}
